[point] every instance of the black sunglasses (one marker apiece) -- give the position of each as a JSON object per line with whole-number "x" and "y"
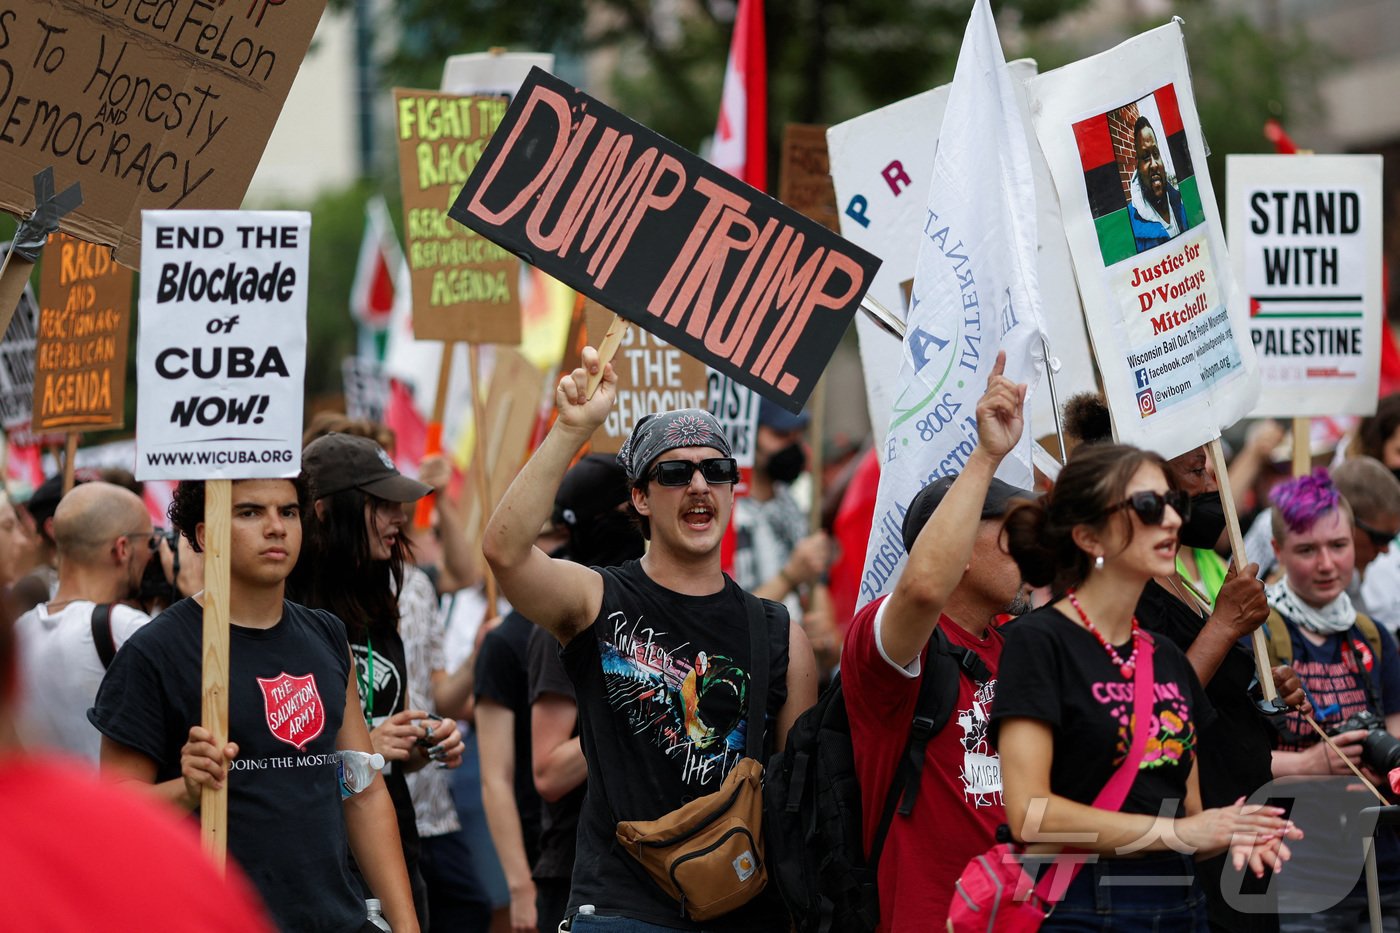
{"x": 1151, "y": 507}
{"x": 1379, "y": 539}
{"x": 716, "y": 470}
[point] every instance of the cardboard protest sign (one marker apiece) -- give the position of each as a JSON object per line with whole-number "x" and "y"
{"x": 464, "y": 286}
{"x": 1305, "y": 243}
{"x": 652, "y": 376}
{"x": 1124, "y": 145}
{"x": 148, "y": 105}
{"x": 17, "y": 362}
{"x": 804, "y": 180}
{"x": 881, "y": 164}
{"x": 221, "y": 348}
{"x": 366, "y": 388}
{"x": 507, "y": 424}
{"x": 492, "y": 74}
{"x": 84, "y": 316}
{"x": 665, "y": 239}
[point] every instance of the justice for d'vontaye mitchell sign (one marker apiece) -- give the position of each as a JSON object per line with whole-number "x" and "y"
{"x": 705, "y": 262}
{"x": 221, "y": 351}
{"x": 1305, "y": 243}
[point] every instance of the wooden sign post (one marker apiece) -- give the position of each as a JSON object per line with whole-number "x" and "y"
{"x": 199, "y": 419}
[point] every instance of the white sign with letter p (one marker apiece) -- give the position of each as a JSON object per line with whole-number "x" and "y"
{"x": 221, "y": 351}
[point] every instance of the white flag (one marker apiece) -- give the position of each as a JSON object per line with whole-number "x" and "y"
{"x": 975, "y": 292}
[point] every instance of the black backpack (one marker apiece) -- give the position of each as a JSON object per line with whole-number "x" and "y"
{"x": 811, "y": 799}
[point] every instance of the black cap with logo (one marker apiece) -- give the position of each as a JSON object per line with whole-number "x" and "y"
{"x": 337, "y": 462}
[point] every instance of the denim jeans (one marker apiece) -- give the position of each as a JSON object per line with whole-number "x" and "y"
{"x": 1155, "y": 894}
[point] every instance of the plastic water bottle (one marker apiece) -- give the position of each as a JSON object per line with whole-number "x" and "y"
{"x": 355, "y": 770}
{"x": 376, "y": 916}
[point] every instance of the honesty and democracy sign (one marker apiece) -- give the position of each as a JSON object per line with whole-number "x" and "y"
{"x": 1305, "y": 241}
{"x": 148, "y": 105}
{"x": 221, "y": 351}
{"x": 1124, "y": 145}
{"x": 662, "y": 237}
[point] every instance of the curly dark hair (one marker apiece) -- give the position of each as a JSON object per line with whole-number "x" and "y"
{"x": 1375, "y": 430}
{"x": 1039, "y": 534}
{"x": 336, "y": 571}
{"x": 186, "y": 509}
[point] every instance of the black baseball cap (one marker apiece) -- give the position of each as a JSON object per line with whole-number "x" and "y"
{"x": 337, "y": 462}
{"x": 1001, "y": 496}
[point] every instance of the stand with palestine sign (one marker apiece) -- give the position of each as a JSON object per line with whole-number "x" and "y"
{"x": 1305, "y": 243}
{"x": 220, "y": 366}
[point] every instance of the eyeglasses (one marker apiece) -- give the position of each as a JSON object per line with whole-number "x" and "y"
{"x": 1151, "y": 507}
{"x": 716, "y": 470}
{"x": 1379, "y": 538}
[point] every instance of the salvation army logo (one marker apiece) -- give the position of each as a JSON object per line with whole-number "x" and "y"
{"x": 1147, "y": 405}
{"x": 295, "y": 713}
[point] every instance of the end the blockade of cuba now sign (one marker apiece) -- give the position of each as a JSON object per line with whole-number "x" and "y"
{"x": 697, "y": 257}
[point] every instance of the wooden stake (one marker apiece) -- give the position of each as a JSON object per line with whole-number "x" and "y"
{"x": 70, "y": 453}
{"x": 1302, "y": 446}
{"x": 483, "y": 486}
{"x": 607, "y": 349}
{"x": 1232, "y": 524}
{"x": 423, "y": 514}
{"x": 14, "y": 275}
{"x": 218, "y": 516}
{"x": 816, "y": 438}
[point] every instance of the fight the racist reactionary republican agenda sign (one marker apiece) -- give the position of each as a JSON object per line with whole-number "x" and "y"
{"x": 221, "y": 350}
{"x": 655, "y": 233}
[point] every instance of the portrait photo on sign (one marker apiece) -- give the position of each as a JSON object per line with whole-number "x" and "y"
{"x": 1138, "y": 175}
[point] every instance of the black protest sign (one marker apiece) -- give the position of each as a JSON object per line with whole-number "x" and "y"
{"x": 655, "y": 233}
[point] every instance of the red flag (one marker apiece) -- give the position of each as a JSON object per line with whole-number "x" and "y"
{"x": 372, "y": 294}
{"x": 1276, "y": 134}
{"x": 741, "y": 136}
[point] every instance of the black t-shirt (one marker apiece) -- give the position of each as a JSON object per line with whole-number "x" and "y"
{"x": 1235, "y": 750}
{"x": 559, "y": 820}
{"x": 502, "y": 676}
{"x": 286, "y": 704}
{"x": 381, "y": 671}
{"x": 1056, "y": 671}
{"x": 662, "y": 684}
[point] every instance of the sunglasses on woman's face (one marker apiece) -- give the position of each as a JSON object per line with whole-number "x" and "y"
{"x": 716, "y": 470}
{"x": 1379, "y": 538}
{"x": 1151, "y": 507}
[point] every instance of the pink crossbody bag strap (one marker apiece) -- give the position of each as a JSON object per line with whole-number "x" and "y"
{"x": 1055, "y": 880}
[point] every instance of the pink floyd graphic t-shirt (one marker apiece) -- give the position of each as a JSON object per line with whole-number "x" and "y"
{"x": 662, "y": 685}
{"x": 1054, "y": 670}
{"x": 286, "y": 703}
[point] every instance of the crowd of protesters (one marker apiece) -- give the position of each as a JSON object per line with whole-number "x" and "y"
{"x": 1107, "y": 695}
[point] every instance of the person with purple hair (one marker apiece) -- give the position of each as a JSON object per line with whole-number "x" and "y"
{"x": 1343, "y": 675}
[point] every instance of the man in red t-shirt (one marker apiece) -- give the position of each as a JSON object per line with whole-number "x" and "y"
{"x": 960, "y": 578}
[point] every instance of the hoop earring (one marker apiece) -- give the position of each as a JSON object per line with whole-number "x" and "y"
{"x": 1098, "y": 561}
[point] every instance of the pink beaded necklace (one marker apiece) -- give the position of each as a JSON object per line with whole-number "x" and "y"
{"x": 1127, "y": 667}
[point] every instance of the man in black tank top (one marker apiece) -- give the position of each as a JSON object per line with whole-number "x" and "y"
{"x": 658, "y": 649}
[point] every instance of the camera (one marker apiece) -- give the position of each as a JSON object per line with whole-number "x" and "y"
{"x": 1380, "y": 751}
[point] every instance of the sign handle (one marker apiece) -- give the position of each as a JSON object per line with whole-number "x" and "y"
{"x": 70, "y": 453}
{"x": 1302, "y": 446}
{"x": 432, "y": 444}
{"x": 14, "y": 275}
{"x": 817, "y": 439}
{"x": 1232, "y": 524}
{"x": 218, "y": 514}
{"x": 607, "y": 349}
{"x": 483, "y": 486}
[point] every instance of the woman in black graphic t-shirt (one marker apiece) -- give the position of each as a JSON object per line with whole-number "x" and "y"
{"x": 352, "y": 563}
{"x": 1063, "y": 717}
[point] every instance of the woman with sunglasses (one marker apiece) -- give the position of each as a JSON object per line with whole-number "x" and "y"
{"x": 1064, "y": 720}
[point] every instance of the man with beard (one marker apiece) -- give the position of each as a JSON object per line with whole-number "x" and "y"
{"x": 958, "y": 580}
{"x": 103, "y": 537}
{"x": 1155, "y": 209}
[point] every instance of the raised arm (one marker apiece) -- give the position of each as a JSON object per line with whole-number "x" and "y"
{"x": 944, "y": 546}
{"x": 560, "y": 596}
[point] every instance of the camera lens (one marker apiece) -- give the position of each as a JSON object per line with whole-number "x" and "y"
{"x": 1381, "y": 751}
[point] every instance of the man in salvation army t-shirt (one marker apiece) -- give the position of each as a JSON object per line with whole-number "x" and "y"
{"x": 958, "y": 579}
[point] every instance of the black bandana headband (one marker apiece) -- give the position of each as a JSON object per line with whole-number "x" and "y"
{"x": 653, "y": 435}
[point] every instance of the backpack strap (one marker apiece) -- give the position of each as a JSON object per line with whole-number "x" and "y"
{"x": 102, "y": 634}
{"x": 1371, "y": 634}
{"x": 759, "y": 661}
{"x": 938, "y": 695}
